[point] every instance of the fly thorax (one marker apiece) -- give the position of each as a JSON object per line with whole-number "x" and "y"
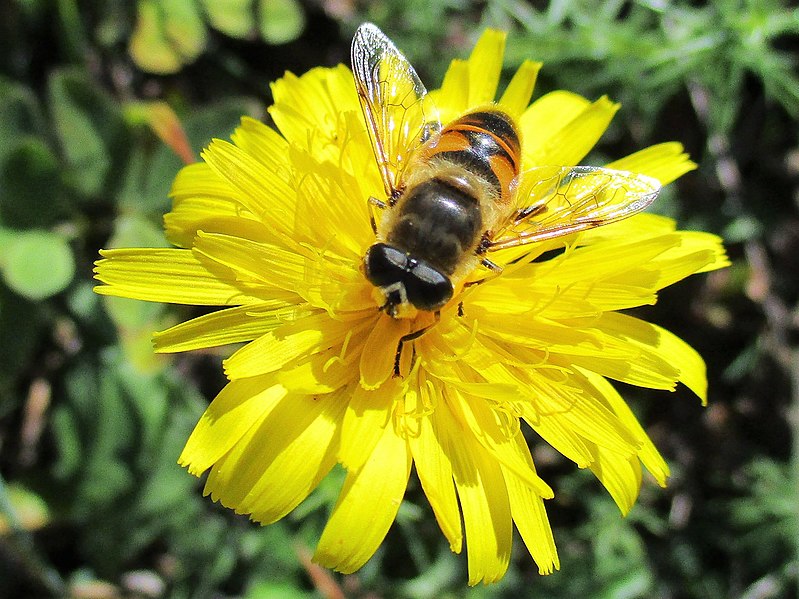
{"x": 438, "y": 220}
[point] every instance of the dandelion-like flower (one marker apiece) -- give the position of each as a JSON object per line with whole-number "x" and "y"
{"x": 273, "y": 229}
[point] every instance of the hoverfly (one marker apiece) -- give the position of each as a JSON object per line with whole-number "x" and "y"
{"x": 455, "y": 194}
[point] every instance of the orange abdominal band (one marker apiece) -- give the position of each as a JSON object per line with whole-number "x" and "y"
{"x": 494, "y": 158}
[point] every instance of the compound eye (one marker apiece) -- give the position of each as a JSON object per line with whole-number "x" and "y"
{"x": 385, "y": 265}
{"x": 428, "y": 288}
{"x": 422, "y": 285}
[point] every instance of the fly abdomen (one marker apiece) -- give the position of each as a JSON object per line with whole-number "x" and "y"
{"x": 486, "y": 144}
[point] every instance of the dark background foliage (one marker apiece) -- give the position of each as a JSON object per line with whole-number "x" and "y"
{"x": 91, "y": 422}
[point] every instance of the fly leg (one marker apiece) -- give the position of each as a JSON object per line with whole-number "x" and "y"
{"x": 375, "y": 205}
{"x": 410, "y": 337}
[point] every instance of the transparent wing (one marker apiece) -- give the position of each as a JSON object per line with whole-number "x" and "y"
{"x": 555, "y": 201}
{"x": 398, "y": 114}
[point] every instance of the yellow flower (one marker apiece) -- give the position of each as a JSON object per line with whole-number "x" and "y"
{"x": 273, "y": 228}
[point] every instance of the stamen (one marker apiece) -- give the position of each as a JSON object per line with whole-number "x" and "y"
{"x": 339, "y": 359}
{"x": 508, "y": 420}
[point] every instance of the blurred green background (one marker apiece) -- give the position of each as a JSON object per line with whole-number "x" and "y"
{"x": 91, "y": 422}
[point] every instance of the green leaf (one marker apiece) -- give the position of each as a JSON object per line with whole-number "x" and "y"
{"x": 65, "y": 430}
{"x": 133, "y": 316}
{"x": 84, "y": 304}
{"x": 38, "y": 264}
{"x": 742, "y": 228}
{"x": 136, "y": 321}
{"x": 276, "y": 590}
{"x": 280, "y": 21}
{"x": 119, "y": 434}
{"x": 218, "y": 120}
{"x": 30, "y": 510}
{"x": 20, "y": 114}
{"x": 30, "y": 185}
{"x": 89, "y": 126}
{"x": 113, "y": 25}
{"x": 137, "y": 231}
{"x": 147, "y": 178}
{"x": 149, "y": 46}
{"x": 21, "y": 328}
{"x": 184, "y": 28}
{"x": 103, "y": 420}
{"x": 231, "y": 17}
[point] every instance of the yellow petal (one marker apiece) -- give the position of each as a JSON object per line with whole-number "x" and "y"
{"x": 340, "y": 223}
{"x": 538, "y": 332}
{"x": 639, "y": 226}
{"x": 233, "y": 325}
{"x": 366, "y": 507}
{"x": 559, "y": 433}
{"x": 627, "y": 354}
{"x": 552, "y": 403}
{"x": 317, "y": 278}
{"x": 560, "y": 399}
{"x": 431, "y": 457}
{"x": 697, "y": 252}
{"x": 530, "y": 517}
{"x": 579, "y": 339}
{"x": 517, "y": 95}
{"x": 293, "y": 450}
{"x": 485, "y": 67}
{"x": 380, "y": 351}
{"x": 238, "y": 407}
{"x": 665, "y": 162}
{"x": 485, "y": 506}
{"x": 595, "y": 277}
{"x": 720, "y": 258}
{"x": 260, "y": 190}
{"x": 253, "y": 262}
{"x": 367, "y": 414}
{"x": 552, "y": 302}
{"x": 452, "y": 99}
{"x": 306, "y": 112}
{"x": 647, "y": 452}
{"x": 307, "y": 335}
{"x": 451, "y": 338}
{"x": 189, "y": 217}
{"x": 166, "y": 275}
{"x": 200, "y": 196}
{"x": 229, "y": 479}
{"x": 570, "y": 143}
{"x": 693, "y": 373}
{"x": 264, "y": 144}
{"x": 498, "y": 438}
{"x": 684, "y": 364}
{"x": 620, "y": 475}
{"x": 321, "y": 373}
{"x": 548, "y": 115}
